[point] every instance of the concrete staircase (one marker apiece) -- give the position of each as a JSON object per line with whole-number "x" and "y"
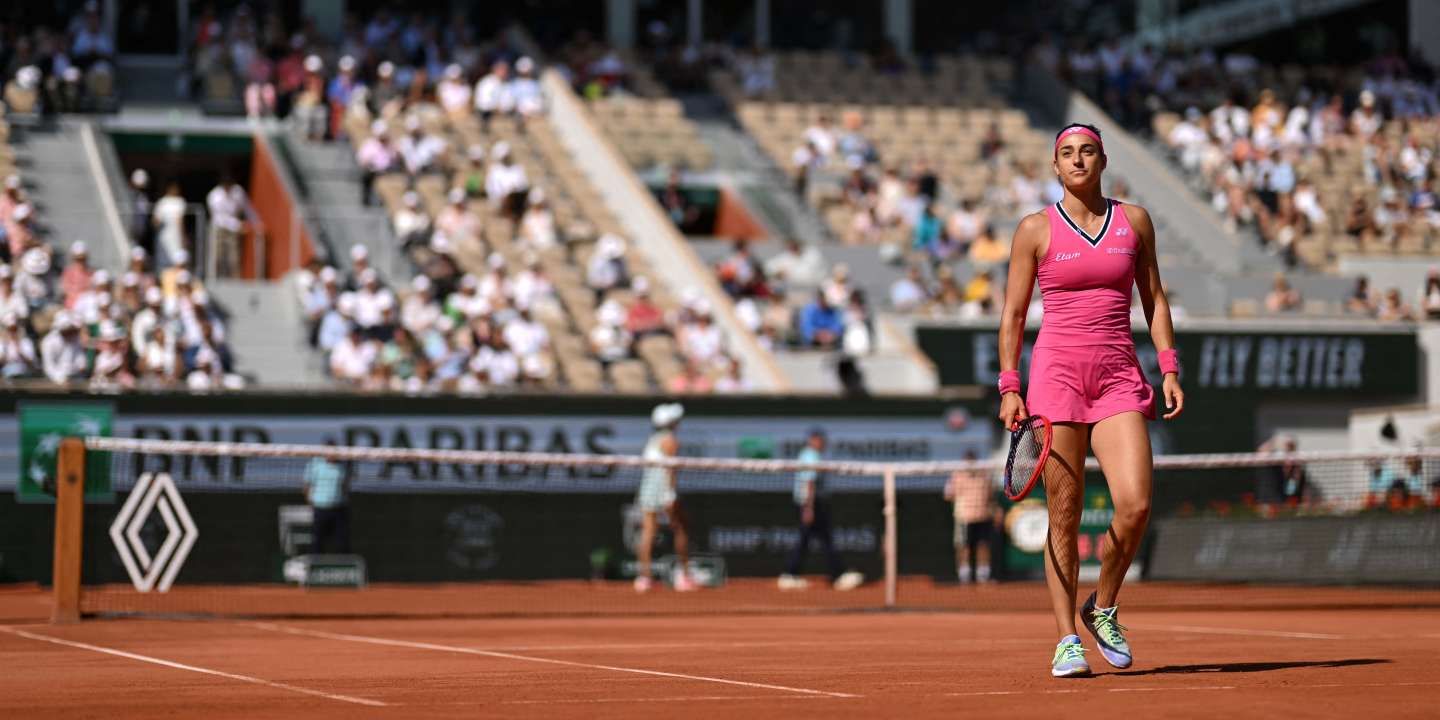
{"x": 329, "y": 181}
{"x": 68, "y": 198}
{"x": 267, "y": 333}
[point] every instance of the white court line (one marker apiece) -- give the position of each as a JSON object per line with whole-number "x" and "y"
{"x": 678, "y": 698}
{"x": 532, "y": 658}
{"x": 1182, "y": 688}
{"x": 1239, "y": 631}
{"x": 192, "y": 668}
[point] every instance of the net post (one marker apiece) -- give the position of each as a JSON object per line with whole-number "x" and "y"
{"x": 69, "y": 530}
{"x": 891, "y": 535}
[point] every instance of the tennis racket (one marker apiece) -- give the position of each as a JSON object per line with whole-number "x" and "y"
{"x": 1029, "y": 450}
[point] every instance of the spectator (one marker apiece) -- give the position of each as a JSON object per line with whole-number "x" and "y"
{"x": 138, "y": 219}
{"x": 691, "y": 381}
{"x": 1361, "y": 300}
{"x": 75, "y": 279}
{"x": 412, "y": 225}
{"x": 610, "y": 341}
{"x": 805, "y": 161}
{"x": 375, "y": 158}
{"x": 420, "y": 312}
{"x": 458, "y": 224}
{"x": 168, "y": 219}
{"x": 1393, "y": 308}
{"x": 988, "y": 251}
{"x": 371, "y": 303}
{"x": 335, "y": 323}
{"x": 525, "y": 90}
{"x": 812, "y": 501}
{"x": 111, "y": 370}
{"x": 537, "y": 225}
{"x": 12, "y": 301}
{"x": 733, "y": 381}
{"x": 909, "y": 293}
{"x": 493, "y": 94}
{"x": 62, "y": 355}
{"x": 453, "y": 92}
{"x": 309, "y": 108}
{"x": 701, "y": 339}
{"x": 327, "y": 492}
{"x": 821, "y": 324}
{"x": 740, "y": 274}
{"x": 353, "y": 357}
{"x": 506, "y": 183}
{"x": 339, "y": 92}
{"x": 229, "y": 209}
{"x": 1430, "y": 295}
{"x": 821, "y": 139}
{"x": 607, "y": 268}
{"x": 966, "y": 223}
{"x": 421, "y": 152}
{"x": 797, "y": 265}
{"x": 643, "y": 317}
{"x": 19, "y": 231}
{"x": 1282, "y": 297}
{"x": 856, "y": 341}
{"x": 927, "y": 237}
{"x": 472, "y": 176}
{"x": 18, "y": 358}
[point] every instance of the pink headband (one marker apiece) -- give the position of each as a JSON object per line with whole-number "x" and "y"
{"x": 1078, "y": 130}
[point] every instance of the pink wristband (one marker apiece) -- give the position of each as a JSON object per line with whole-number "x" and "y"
{"x": 1010, "y": 381}
{"x": 1169, "y": 361}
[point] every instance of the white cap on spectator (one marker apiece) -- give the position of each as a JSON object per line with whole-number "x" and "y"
{"x": 104, "y": 299}
{"x": 138, "y": 253}
{"x": 1367, "y": 98}
{"x": 536, "y": 196}
{"x": 35, "y": 261}
{"x": 641, "y": 285}
{"x": 110, "y": 331}
{"x": 130, "y": 279}
{"x": 610, "y": 246}
{"x": 12, "y": 181}
{"x": 183, "y": 277}
{"x": 63, "y": 320}
{"x": 140, "y": 178}
{"x": 368, "y": 275}
{"x": 328, "y": 275}
{"x": 386, "y": 69}
{"x": 78, "y": 249}
{"x": 476, "y": 152}
{"x": 456, "y": 196}
{"x": 359, "y": 252}
{"x": 314, "y": 64}
{"x": 28, "y": 77}
{"x": 441, "y": 244}
{"x": 345, "y": 303}
{"x": 445, "y": 324}
{"x": 9, "y": 320}
{"x": 410, "y": 199}
{"x": 379, "y": 127}
{"x": 702, "y": 307}
{"x": 153, "y": 296}
{"x": 469, "y": 282}
{"x": 500, "y": 149}
{"x": 386, "y": 301}
{"x": 854, "y": 162}
{"x": 347, "y": 64}
{"x": 100, "y": 277}
{"x": 200, "y": 297}
{"x": 412, "y": 123}
{"x": 420, "y": 284}
{"x": 21, "y": 211}
{"x": 181, "y": 258}
{"x": 453, "y": 71}
{"x": 524, "y": 65}
{"x": 611, "y": 312}
{"x": 71, "y": 74}
{"x": 496, "y": 261}
{"x": 5, "y": 272}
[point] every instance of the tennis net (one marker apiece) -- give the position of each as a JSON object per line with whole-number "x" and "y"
{"x": 229, "y": 530}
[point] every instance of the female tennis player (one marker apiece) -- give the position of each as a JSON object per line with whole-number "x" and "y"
{"x": 1086, "y": 251}
{"x": 657, "y": 495}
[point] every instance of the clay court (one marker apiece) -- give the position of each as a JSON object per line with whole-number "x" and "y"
{"x": 1296, "y": 652}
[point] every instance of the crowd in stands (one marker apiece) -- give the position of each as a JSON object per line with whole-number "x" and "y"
{"x": 1397, "y": 486}
{"x": 67, "y": 323}
{"x": 54, "y": 69}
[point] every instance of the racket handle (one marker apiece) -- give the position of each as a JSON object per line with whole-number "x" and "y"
{"x": 1169, "y": 361}
{"x": 1009, "y": 381}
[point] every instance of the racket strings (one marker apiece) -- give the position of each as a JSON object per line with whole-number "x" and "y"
{"x": 1025, "y": 455}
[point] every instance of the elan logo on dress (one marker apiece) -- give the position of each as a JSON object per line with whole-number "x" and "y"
{"x": 1062, "y": 257}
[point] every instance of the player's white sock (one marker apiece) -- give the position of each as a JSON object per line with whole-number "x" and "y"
{"x": 982, "y": 573}
{"x": 963, "y": 571}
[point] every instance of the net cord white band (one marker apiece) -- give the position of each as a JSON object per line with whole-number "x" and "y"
{"x": 854, "y": 468}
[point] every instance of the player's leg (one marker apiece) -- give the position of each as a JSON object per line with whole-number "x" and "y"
{"x": 642, "y": 552}
{"x": 962, "y": 552}
{"x": 680, "y": 528}
{"x": 1122, "y": 445}
{"x": 980, "y": 541}
{"x": 1064, "y": 490}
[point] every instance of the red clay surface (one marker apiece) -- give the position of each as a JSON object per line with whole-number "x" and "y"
{"x": 1221, "y": 662}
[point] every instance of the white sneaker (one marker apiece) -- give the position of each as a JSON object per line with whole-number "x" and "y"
{"x": 683, "y": 583}
{"x": 849, "y": 581}
{"x": 642, "y": 584}
{"x": 793, "y": 582}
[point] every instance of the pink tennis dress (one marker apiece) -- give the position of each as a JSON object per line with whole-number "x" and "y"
{"x": 1084, "y": 367}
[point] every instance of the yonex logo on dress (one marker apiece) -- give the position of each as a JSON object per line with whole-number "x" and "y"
{"x": 1061, "y": 257}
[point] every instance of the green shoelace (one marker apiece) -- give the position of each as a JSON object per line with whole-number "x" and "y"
{"x": 1107, "y": 627}
{"x": 1069, "y": 652}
